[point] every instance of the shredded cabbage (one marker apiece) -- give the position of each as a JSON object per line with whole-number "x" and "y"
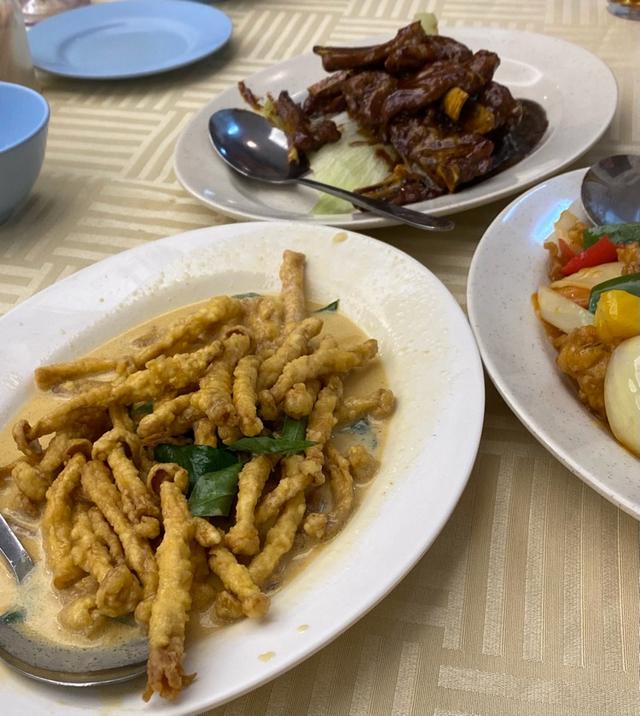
{"x": 349, "y": 163}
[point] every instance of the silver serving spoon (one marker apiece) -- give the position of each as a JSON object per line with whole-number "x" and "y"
{"x": 57, "y": 663}
{"x": 611, "y": 190}
{"x": 251, "y": 145}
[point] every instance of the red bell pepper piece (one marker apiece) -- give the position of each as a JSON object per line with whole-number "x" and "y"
{"x": 566, "y": 252}
{"x": 602, "y": 252}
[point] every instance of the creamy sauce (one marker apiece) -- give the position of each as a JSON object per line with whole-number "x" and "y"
{"x": 37, "y": 598}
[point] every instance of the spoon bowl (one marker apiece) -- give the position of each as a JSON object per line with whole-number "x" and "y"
{"x": 253, "y": 147}
{"x": 611, "y": 190}
{"x": 59, "y": 664}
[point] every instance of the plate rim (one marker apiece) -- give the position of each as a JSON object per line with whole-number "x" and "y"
{"x": 502, "y": 384}
{"x": 356, "y": 221}
{"x": 113, "y": 8}
{"x": 474, "y": 377}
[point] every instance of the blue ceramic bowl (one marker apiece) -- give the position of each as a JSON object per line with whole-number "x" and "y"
{"x": 24, "y": 118}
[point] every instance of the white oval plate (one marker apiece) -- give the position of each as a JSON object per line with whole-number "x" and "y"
{"x": 432, "y": 364}
{"x": 538, "y": 67}
{"x": 508, "y": 267}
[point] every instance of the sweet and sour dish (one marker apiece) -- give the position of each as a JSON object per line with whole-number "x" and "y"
{"x": 591, "y": 310}
{"x": 186, "y": 467}
{"x": 427, "y": 103}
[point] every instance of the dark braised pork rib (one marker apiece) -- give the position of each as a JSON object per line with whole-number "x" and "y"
{"x": 429, "y": 97}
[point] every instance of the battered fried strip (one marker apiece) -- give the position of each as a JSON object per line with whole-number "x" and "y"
{"x": 172, "y": 417}
{"x": 229, "y": 434}
{"x": 214, "y": 397}
{"x": 362, "y": 464}
{"x": 203, "y": 591}
{"x": 186, "y": 331}
{"x": 341, "y": 483}
{"x": 323, "y": 362}
{"x": 205, "y": 534}
{"x": 137, "y": 501}
{"x": 227, "y": 607}
{"x": 97, "y": 483}
{"x": 292, "y": 291}
{"x": 103, "y": 531}
{"x": 293, "y": 481}
{"x": 167, "y": 472}
{"x": 31, "y": 481}
{"x": 321, "y": 423}
{"x": 243, "y": 537}
{"x": 120, "y": 419}
{"x": 279, "y": 540}
{"x": 295, "y": 345}
{"x": 300, "y": 398}
{"x": 171, "y": 607}
{"x": 49, "y": 376}
{"x": 119, "y": 591}
{"x": 57, "y": 522}
{"x": 244, "y": 395}
{"x": 264, "y": 318}
{"x": 236, "y": 579}
{"x": 204, "y": 433}
{"x": 379, "y": 404}
{"x": 161, "y": 374}
{"x": 82, "y": 615}
{"x": 315, "y": 525}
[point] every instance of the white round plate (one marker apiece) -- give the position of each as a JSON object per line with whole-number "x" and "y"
{"x": 508, "y": 267}
{"x": 432, "y": 364}
{"x": 131, "y": 38}
{"x": 537, "y": 67}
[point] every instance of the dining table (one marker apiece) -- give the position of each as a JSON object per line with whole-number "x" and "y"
{"x": 527, "y": 602}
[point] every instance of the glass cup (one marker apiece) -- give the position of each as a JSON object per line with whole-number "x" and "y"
{"x": 36, "y": 10}
{"x": 628, "y": 9}
{"x": 15, "y": 58}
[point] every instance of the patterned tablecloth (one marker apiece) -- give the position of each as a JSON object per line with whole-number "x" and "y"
{"x": 528, "y": 601}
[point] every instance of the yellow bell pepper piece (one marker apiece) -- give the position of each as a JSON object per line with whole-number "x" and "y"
{"x": 617, "y": 316}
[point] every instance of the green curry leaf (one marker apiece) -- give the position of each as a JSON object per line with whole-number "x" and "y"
{"x": 214, "y": 492}
{"x": 197, "y": 460}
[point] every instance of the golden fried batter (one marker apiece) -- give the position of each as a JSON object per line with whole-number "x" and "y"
{"x": 300, "y": 399}
{"x": 214, "y": 397}
{"x": 294, "y": 345}
{"x": 138, "y": 503}
{"x": 172, "y": 372}
{"x": 171, "y": 607}
{"x": 82, "y": 615}
{"x": 186, "y": 331}
{"x": 243, "y": 537}
{"x": 204, "y": 433}
{"x": 292, "y": 291}
{"x": 293, "y": 480}
{"x": 279, "y": 540}
{"x": 362, "y": 463}
{"x": 315, "y": 525}
{"x": 57, "y": 524}
{"x": 321, "y": 423}
{"x": 244, "y": 395}
{"x": 237, "y": 579}
{"x": 379, "y": 404}
{"x": 97, "y": 483}
{"x": 119, "y": 591}
{"x": 584, "y": 358}
{"x": 323, "y": 362}
{"x": 49, "y": 376}
{"x": 341, "y": 483}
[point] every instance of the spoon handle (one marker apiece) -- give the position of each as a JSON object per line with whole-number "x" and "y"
{"x": 11, "y": 547}
{"x": 384, "y": 208}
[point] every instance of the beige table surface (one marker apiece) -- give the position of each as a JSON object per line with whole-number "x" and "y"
{"x": 528, "y": 601}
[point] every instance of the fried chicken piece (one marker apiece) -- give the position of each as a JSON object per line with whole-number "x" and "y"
{"x": 292, "y": 291}
{"x": 237, "y": 579}
{"x": 245, "y": 397}
{"x": 584, "y": 357}
{"x": 300, "y": 399}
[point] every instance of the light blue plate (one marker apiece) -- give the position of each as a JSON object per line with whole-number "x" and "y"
{"x": 132, "y": 38}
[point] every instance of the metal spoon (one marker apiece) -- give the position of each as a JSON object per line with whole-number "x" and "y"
{"x": 58, "y": 663}
{"x": 252, "y": 146}
{"x": 611, "y": 190}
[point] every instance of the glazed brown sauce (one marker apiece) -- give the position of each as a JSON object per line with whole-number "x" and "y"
{"x": 36, "y": 596}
